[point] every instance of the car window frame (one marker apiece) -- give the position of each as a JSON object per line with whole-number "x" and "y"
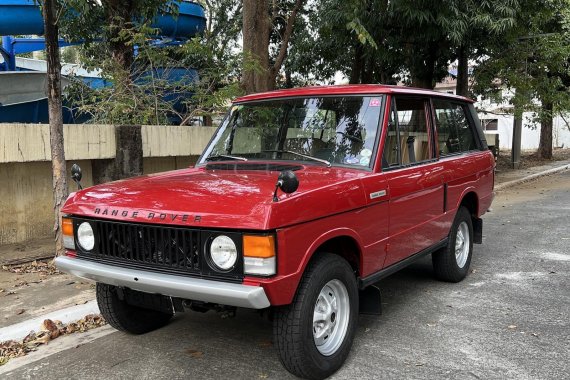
{"x": 430, "y": 125}
{"x": 379, "y": 127}
{"x": 470, "y": 121}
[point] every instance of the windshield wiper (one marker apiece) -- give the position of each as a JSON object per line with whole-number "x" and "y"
{"x": 218, "y": 156}
{"x": 300, "y": 155}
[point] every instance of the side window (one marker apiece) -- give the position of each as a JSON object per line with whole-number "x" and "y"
{"x": 455, "y": 134}
{"x": 408, "y": 137}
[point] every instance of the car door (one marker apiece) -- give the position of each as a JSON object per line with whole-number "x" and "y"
{"x": 414, "y": 179}
{"x": 461, "y": 151}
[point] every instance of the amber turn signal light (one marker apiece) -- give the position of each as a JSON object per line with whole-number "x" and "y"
{"x": 67, "y": 226}
{"x": 259, "y": 255}
{"x": 258, "y": 246}
{"x": 67, "y": 232}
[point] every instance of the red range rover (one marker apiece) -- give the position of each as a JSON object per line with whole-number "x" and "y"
{"x": 302, "y": 199}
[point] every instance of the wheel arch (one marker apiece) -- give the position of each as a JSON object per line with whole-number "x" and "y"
{"x": 470, "y": 200}
{"x": 342, "y": 242}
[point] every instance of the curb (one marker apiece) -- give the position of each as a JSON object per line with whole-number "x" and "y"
{"x": 544, "y": 173}
{"x": 19, "y": 331}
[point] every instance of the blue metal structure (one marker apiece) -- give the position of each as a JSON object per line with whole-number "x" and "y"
{"x": 23, "y": 17}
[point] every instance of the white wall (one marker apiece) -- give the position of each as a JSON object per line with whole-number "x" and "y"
{"x": 530, "y": 137}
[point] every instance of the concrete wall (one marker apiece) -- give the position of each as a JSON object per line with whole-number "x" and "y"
{"x": 26, "y": 199}
{"x": 30, "y": 142}
{"x": 26, "y": 203}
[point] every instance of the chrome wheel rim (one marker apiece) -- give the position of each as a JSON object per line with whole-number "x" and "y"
{"x": 462, "y": 244}
{"x": 330, "y": 317}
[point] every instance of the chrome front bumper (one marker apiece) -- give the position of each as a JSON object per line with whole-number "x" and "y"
{"x": 169, "y": 285}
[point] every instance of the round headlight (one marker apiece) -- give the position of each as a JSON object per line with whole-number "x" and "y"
{"x": 223, "y": 252}
{"x": 85, "y": 236}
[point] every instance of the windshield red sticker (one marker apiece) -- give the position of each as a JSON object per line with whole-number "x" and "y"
{"x": 374, "y": 102}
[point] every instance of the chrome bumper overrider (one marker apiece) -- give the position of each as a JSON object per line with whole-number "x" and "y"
{"x": 166, "y": 284}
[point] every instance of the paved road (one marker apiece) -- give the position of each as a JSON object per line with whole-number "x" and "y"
{"x": 508, "y": 319}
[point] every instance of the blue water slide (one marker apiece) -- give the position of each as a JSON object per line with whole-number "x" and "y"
{"x": 191, "y": 20}
{"x": 24, "y": 17}
{"x": 20, "y": 17}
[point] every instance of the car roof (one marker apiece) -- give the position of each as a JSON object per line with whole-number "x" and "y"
{"x": 347, "y": 90}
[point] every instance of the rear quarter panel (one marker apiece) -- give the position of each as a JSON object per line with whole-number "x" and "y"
{"x": 469, "y": 172}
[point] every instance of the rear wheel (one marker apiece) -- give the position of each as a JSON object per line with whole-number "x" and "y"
{"x": 452, "y": 262}
{"x": 129, "y": 318}
{"x": 314, "y": 334}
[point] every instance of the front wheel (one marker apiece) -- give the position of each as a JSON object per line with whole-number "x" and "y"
{"x": 125, "y": 317}
{"x": 314, "y": 334}
{"x": 451, "y": 263}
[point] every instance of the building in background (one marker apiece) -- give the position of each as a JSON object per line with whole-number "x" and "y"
{"x": 497, "y": 120}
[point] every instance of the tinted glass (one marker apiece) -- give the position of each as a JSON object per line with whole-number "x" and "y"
{"x": 341, "y": 130}
{"x": 455, "y": 134}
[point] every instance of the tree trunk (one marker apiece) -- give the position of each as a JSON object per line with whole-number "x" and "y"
{"x": 422, "y": 82}
{"x": 288, "y": 79}
{"x": 207, "y": 121}
{"x": 60, "y": 191}
{"x": 423, "y": 68}
{"x": 357, "y": 65}
{"x": 257, "y": 74}
{"x": 545, "y": 145}
{"x": 256, "y": 27}
{"x": 462, "y": 87}
{"x": 119, "y": 15}
{"x": 368, "y": 72}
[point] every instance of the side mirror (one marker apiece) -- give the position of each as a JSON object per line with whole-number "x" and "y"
{"x": 76, "y": 175}
{"x": 287, "y": 182}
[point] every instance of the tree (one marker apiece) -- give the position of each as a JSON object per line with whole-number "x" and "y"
{"x": 353, "y": 37}
{"x": 471, "y": 28}
{"x": 403, "y": 40}
{"x": 261, "y": 23}
{"x": 115, "y": 21}
{"x": 50, "y": 10}
{"x": 533, "y": 60}
{"x": 215, "y": 55}
{"x": 149, "y": 87}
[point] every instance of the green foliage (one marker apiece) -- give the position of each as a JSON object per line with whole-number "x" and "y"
{"x": 364, "y": 37}
{"x": 369, "y": 41}
{"x": 413, "y": 41}
{"x": 349, "y": 36}
{"x": 138, "y": 95}
{"x": 141, "y": 90}
{"x": 533, "y": 59}
{"x": 69, "y": 54}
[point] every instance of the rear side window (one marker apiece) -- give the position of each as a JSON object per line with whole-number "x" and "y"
{"x": 408, "y": 137}
{"x": 455, "y": 134}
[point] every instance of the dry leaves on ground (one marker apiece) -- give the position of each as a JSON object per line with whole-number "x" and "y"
{"x": 530, "y": 159}
{"x": 49, "y": 331}
{"x": 42, "y": 267}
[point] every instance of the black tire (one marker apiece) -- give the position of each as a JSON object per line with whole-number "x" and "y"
{"x": 445, "y": 261}
{"x": 293, "y": 324}
{"x": 125, "y": 317}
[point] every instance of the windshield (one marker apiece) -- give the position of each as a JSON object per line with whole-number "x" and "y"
{"x": 324, "y": 131}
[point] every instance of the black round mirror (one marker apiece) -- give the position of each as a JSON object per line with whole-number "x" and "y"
{"x": 288, "y": 182}
{"x": 76, "y": 173}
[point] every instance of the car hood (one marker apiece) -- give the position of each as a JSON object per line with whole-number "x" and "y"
{"x": 228, "y": 198}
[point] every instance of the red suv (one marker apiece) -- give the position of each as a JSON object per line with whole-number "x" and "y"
{"x": 302, "y": 199}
